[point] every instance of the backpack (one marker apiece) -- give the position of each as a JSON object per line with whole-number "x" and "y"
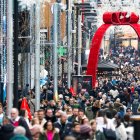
{"x": 109, "y": 134}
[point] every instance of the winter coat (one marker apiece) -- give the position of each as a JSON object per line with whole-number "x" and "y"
{"x": 98, "y": 136}
{"x": 89, "y": 113}
{"x": 64, "y": 129}
{"x": 95, "y": 110}
{"x": 44, "y": 137}
{"x": 135, "y": 105}
{"x": 6, "y": 132}
{"x": 71, "y": 118}
{"x": 75, "y": 134}
{"x": 121, "y": 132}
{"x": 22, "y": 122}
{"x": 19, "y": 137}
{"x": 101, "y": 124}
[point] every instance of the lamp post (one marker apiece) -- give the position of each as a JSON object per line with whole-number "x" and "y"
{"x": 69, "y": 42}
{"x": 15, "y": 103}
{"x": 79, "y": 42}
{"x": 55, "y": 41}
{"x": 37, "y": 56}
{"x": 10, "y": 73}
{"x": 114, "y": 40}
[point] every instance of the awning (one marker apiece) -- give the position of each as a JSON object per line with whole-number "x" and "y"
{"x": 104, "y": 66}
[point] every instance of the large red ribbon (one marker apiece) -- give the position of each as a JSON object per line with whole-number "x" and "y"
{"x": 109, "y": 18}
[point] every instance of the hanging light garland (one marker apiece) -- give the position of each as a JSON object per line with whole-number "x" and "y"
{"x": 29, "y": 3}
{"x": 117, "y": 5}
{"x": 26, "y": 3}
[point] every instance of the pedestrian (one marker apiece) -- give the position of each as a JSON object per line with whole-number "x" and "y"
{"x": 96, "y": 134}
{"x": 49, "y": 133}
{"x": 85, "y": 132}
{"x": 41, "y": 117}
{"x": 120, "y": 129}
{"x": 16, "y": 120}
{"x": 63, "y": 125}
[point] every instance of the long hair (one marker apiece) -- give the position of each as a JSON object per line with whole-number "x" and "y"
{"x": 97, "y": 104}
{"x": 46, "y": 124}
{"x": 101, "y": 113}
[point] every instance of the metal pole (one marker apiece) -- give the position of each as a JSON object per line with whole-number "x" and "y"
{"x": 69, "y": 43}
{"x": 37, "y": 56}
{"x": 136, "y": 124}
{"x": 9, "y": 55}
{"x": 114, "y": 39}
{"x": 55, "y": 39}
{"x": 79, "y": 43}
{"x": 15, "y": 54}
{"x": 73, "y": 38}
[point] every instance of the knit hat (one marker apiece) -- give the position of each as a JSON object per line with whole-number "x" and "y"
{"x": 86, "y": 95}
{"x": 85, "y": 129}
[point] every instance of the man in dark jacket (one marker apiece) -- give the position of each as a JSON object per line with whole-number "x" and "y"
{"x": 75, "y": 114}
{"x": 50, "y": 116}
{"x": 63, "y": 125}
{"x": 76, "y": 130}
{"x": 43, "y": 95}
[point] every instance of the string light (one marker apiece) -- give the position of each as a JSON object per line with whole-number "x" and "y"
{"x": 117, "y": 5}
{"x": 26, "y": 3}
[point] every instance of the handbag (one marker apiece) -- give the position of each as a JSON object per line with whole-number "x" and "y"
{"x": 109, "y": 134}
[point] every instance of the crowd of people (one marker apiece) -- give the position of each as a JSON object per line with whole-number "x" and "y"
{"x": 103, "y": 113}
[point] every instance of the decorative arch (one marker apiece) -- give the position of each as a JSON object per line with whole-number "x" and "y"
{"x": 109, "y": 18}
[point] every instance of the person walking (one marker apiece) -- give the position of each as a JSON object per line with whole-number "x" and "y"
{"x": 16, "y": 120}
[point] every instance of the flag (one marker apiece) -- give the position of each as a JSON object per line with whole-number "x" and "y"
{"x": 56, "y": 98}
{"x": 72, "y": 91}
{"x": 24, "y": 105}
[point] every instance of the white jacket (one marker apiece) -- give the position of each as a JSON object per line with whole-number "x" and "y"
{"x": 121, "y": 132}
{"x": 101, "y": 124}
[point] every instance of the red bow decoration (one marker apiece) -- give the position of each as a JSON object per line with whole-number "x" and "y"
{"x": 109, "y": 18}
{"x": 120, "y": 18}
